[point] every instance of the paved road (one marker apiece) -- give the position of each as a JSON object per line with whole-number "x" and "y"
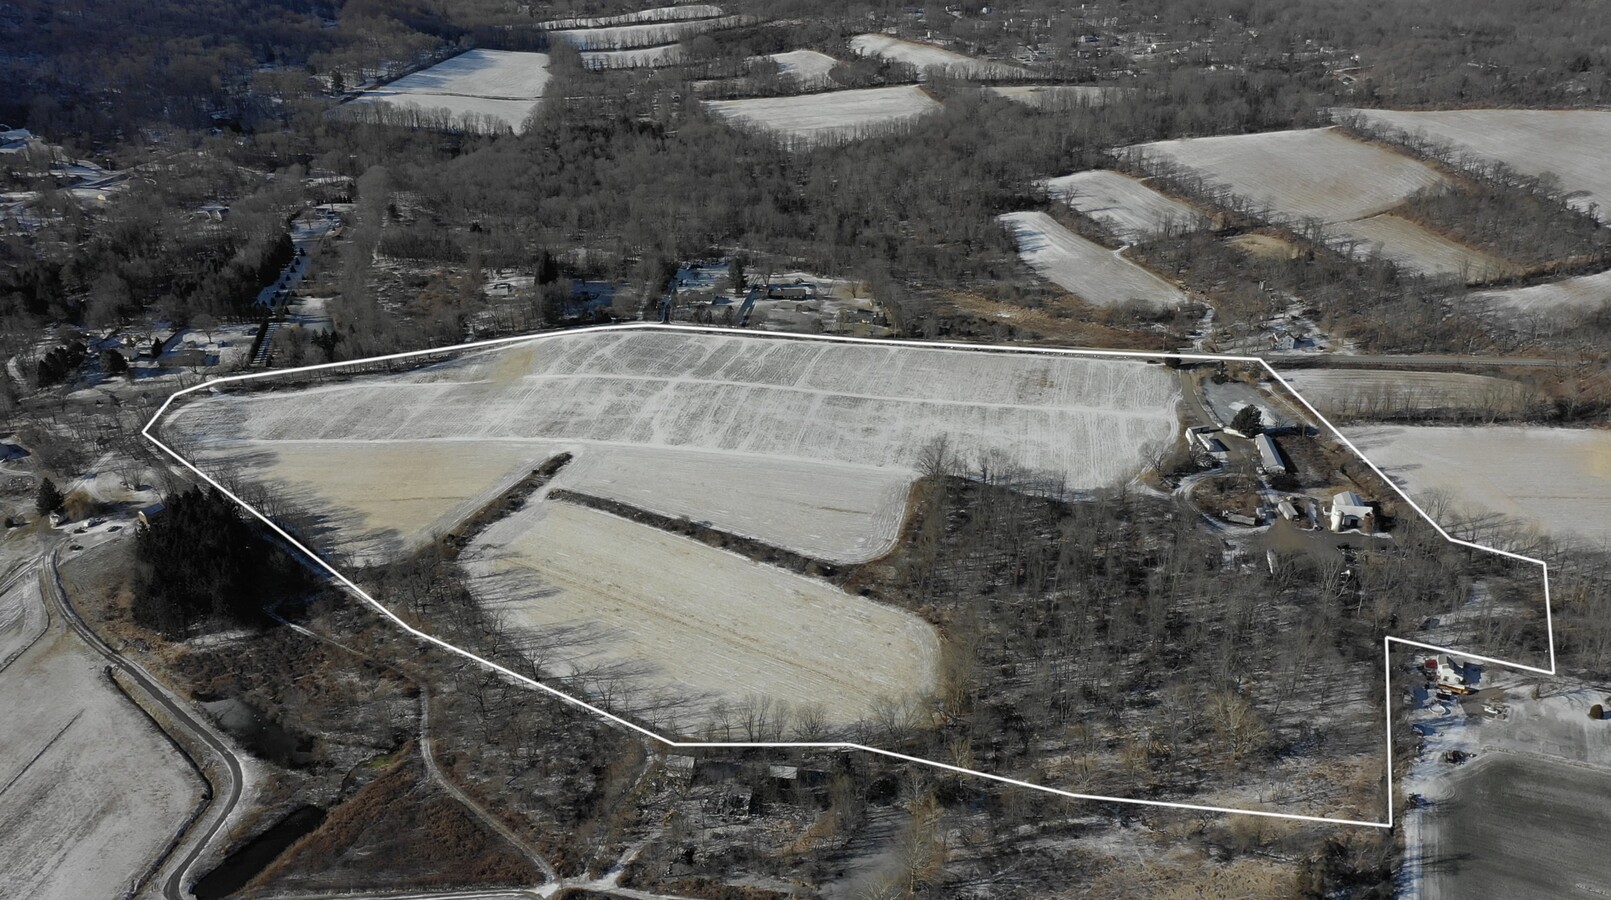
{"x": 223, "y": 804}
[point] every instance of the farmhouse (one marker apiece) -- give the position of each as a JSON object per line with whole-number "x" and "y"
{"x": 1269, "y": 456}
{"x": 1348, "y": 510}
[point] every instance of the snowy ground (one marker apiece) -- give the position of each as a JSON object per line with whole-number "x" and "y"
{"x": 1512, "y": 822}
{"x": 1565, "y": 300}
{"x": 928, "y": 56}
{"x": 1569, "y": 144}
{"x": 1412, "y": 247}
{"x": 1129, "y": 209}
{"x": 1055, "y": 96}
{"x": 654, "y": 14}
{"x": 503, "y": 84}
{"x": 1322, "y": 174}
{"x": 1317, "y": 173}
{"x": 692, "y": 621}
{"x": 645, "y": 34}
{"x": 839, "y": 513}
{"x": 831, "y": 115}
{"x": 640, "y": 58}
{"x": 807, "y": 68}
{"x": 92, "y": 791}
{"x": 388, "y": 497}
{"x": 1556, "y": 478}
{"x": 1080, "y": 421}
{"x": 22, "y": 609}
{"x": 1357, "y": 390}
{"x": 1095, "y": 274}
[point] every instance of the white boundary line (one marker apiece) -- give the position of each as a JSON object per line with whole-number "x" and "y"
{"x": 1387, "y": 641}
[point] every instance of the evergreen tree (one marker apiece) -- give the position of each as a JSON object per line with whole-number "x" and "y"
{"x": 49, "y": 499}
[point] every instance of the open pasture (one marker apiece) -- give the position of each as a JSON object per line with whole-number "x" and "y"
{"x": 645, "y": 34}
{"x": 653, "y": 14}
{"x": 1054, "y": 96}
{"x": 1129, "y": 209}
{"x": 1558, "y": 479}
{"x": 640, "y": 58}
{"x": 924, "y": 57}
{"x": 1078, "y": 421}
{"x": 1095, "y": 274}
{"x": 1323, "y": 175}
{"x": 834, "y": 115}
{"x": 839, "y": 513}
{"x": 1366, "y": 392}
{"x": 1567, "y": 143}
{"x": 92, "y": 790}
{"x": 1564, "y": 300}
{"x": 496, "y": 85}
{"x": 1417, "y": 249}
{"x": 807, "y": 68}
{"x": 1315, "y": 173}
{"x": 666, "y": 618}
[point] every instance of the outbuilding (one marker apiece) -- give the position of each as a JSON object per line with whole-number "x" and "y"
{"x": 1270, "y": 459}
{"x": 1349, "y": 510}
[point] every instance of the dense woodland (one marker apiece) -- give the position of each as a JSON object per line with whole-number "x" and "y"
{"x": 201, "y": 560}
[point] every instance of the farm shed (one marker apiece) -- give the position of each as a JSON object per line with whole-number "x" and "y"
{"x": 1348, "y": 510}
{"x": 148, "y": 513}
{"x": 1269, "y": 455}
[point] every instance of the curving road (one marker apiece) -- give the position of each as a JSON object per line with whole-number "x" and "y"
{"x": 223, "y": 803}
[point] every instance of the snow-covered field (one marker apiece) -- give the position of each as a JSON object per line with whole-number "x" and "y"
{"x": 1127, "y": 207}
{"x": 1567, "y": 299}
{"x": 641, "y": 58}
{"x": 1095, "y": 274}
{"x": 1315, "y": 173}
{"x": 22, "y": 609}
{"x": 1078, "y": 420}
{"x": 501, "y": 84}
{"x": 840, "y": 513}
{"x": 646, "y": 34}
{"x": 654, "y": 14}
{"x": 928, "y": 56}
{"x": 383, "y": 497}
{"x": 1410, "y": 246}
{"x": 685, "y": 619}
{"x": 1323, "y": 175}
{"x": 1349, "y": 391}
{"x": 828, "y": 116}
{"x": 805, "y": 67}
{"x": 1570, "y": 144}
{"x": 1055, "y": 96}
{"x": 92, "y": 791}
{"x": 1556, "y": 478}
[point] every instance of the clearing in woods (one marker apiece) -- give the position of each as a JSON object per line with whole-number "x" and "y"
{"x": 680, "y": 630}
{"x": 1323, "y": 175}
{"x": 1084, "y": 268}
{"x": 834, "y": 115}
{"x": 1569, "y": 144}
{"x": 501, "y": 85}
{"x": 924, "y": 57}
{"x": 1127, "y": 207}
